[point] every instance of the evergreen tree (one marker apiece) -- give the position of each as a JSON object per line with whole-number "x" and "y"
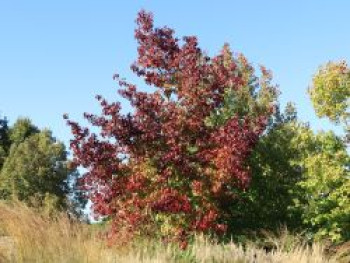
{"x": 36, "y": 169}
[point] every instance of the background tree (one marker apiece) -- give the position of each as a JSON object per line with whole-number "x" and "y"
{"x": 327, "y": 184}
{"x": 324, "y": 199}
{"x": 265, "y": 204}
{"x": 330, "y": 93}
{"x": 36, "y": 169}
{"x": 300, "y": 179}
{"x": 21, "y": 130}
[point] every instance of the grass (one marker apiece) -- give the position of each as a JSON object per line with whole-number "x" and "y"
{"x": 33, "y": 237}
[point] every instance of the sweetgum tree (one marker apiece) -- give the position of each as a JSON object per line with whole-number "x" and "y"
{"x": 171, "y": 167}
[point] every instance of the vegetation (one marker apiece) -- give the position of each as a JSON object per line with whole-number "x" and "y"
{"x": 208, "y": 167}
{"x": 208, "y": 150}
{"x": 324, "y": 198}
{"x": 58, "y": 239}
{"x": 34, "y": 167}
{"x": 330, "y": 93}
{"x": 172, "y": 167}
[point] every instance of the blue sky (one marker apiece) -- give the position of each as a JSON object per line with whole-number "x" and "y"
{"x": 55, "y": 56}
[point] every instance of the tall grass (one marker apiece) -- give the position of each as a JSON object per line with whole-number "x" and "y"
{"x": 34, "y": 237}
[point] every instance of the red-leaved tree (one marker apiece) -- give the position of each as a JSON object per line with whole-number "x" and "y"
{"x": 168, "y": 168}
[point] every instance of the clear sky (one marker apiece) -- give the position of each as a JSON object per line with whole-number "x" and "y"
{"x": 55, "y": 56}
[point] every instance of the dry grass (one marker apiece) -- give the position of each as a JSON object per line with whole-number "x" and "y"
{"x": 39, "y": 238}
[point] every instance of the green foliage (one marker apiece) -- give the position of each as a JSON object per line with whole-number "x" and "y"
{"x": 21, "y": 130}
{"x": 330, "y": 93}
{"x": 35, "y": 168}
{"x": 325, "y": 188}
{"x": 299, "y": 179}
{"x": 265, "y": 204}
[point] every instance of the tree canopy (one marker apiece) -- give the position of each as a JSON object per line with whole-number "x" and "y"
{"x": 330, "y": 93}
{"x": 35, "y": 167}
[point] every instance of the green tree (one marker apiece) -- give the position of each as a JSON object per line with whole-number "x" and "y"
{"x": 21, "y": 130}
{"x": 36, "y": 169}
{"x": 300, "y": 179}
{"x": 324, "y": 199}
{"x": 272, "y": 190}
{"x": 330, "y": 93}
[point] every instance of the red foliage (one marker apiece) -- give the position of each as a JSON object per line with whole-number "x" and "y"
{"x": 163, "y": 159}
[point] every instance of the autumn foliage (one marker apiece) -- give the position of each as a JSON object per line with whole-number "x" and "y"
{"x": 169, "y": 168}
